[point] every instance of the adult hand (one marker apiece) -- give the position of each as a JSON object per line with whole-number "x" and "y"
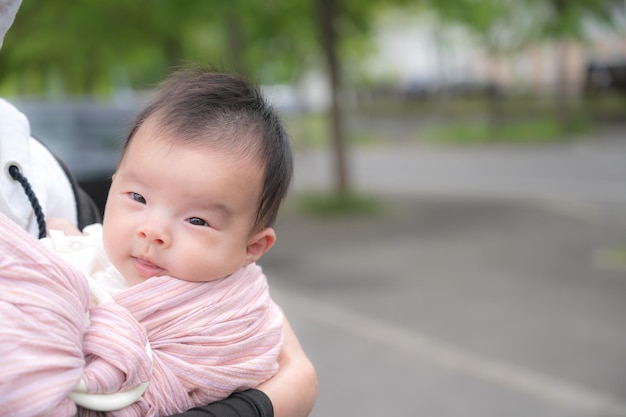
{"x": 293, "y": 390}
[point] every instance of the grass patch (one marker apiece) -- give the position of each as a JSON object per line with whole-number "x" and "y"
{"x": 520, "y": 120}
{"x": 538, "y": 131}
{"x": 309, "y": 130}
{"x": 364, "y": 139}
{"x": 612, "y": 258}
{"x": 335, "y": 205}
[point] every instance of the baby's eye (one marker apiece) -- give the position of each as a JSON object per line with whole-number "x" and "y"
{"x": 197, "y": 221}
{"x": 137, "y": 197}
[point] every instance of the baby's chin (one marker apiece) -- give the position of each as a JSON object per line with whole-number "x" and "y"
{"x": 136, "y": 280}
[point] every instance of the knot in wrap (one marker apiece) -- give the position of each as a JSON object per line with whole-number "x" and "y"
{"x": 208, "y": 339}
{"x": 114, "y": 345}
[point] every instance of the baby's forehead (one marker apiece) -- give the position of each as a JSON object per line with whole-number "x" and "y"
{"x": 151, "y": 138}
{"x": 170, "y": 147}
{"x": 228, "y": 135}
{"x": 183, "y": 167}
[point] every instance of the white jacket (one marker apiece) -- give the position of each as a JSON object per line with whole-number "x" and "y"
{"x": 47, "y": 178}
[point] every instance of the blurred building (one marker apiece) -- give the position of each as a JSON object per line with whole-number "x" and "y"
{"x": 419, "y": 54}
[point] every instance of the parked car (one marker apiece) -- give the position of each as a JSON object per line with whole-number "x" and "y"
{"x": 85, "y": 134}
{"x": 424, "y": 89}
{"x": 605, "y": 77}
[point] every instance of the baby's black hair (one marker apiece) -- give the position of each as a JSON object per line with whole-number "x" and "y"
{"x": 227, "y": 112}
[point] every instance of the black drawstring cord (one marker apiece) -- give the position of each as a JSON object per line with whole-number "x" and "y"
{"x": 15, "y": 173}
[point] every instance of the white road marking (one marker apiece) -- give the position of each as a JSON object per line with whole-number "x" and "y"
{"x": 506, "y": 375}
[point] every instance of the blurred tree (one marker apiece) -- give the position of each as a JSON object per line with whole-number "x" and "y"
{"x": 270, "y": 41}
{"x": 338, "y": 21}
{"x": 81, "y": 43}
{"x": 507, "y": 25}
{"x": 88, "y": 46}
{"x": 94, "y": 47}
{"x": 562, "y": 21}
{"x": 501, "y": 26}
{"x": 327, "y": 16}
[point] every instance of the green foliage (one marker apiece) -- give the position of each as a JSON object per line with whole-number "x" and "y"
{"x": 309, "y": 130}
{"x": 526, "y": 130}
{"x": 83, "y": 41}
{"x": 611, "y": 257}
{"x": 86, "y": 42}
{"x": 505, "y": 25}
{"x": 96, "y": 46}
{"x": 566, "y": 18}
{"x": 338, "y": 205}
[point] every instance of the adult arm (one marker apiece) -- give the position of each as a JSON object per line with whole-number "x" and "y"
{"x": 290, "y": 393}
{"x": 293, "y": 390}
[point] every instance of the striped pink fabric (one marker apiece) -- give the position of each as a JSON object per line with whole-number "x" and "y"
{"x": 207, "y": 339}
{"x": 43, "y": 303}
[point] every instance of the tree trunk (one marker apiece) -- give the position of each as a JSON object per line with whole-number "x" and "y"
{"x": 561, "y": 95}
{"x": 327, "y": 10}
{"x": 495, "y": 103}
{"x": 235, "y": 43}
{"x": 561, "y": 105}
{"x": 172, "y": 51}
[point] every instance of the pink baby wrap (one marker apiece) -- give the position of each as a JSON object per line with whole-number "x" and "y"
{"x": 42, "y": 311}
{"x": 207, "y": 339}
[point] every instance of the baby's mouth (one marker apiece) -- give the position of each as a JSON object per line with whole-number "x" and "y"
{"x": 146, "y": 268}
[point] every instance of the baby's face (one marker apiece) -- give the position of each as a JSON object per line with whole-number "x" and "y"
{"x": 180, "y": 210}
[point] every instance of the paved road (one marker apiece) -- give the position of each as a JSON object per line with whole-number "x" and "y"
{"x": 493, "y": 285}
{"x": 591, "y": 169}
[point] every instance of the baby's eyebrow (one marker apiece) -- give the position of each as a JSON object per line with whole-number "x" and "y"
{"x": 220, "y": 207}
{"x": 129, "y": 176}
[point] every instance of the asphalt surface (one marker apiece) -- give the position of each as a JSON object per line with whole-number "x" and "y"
{"x": 493, "y": 283}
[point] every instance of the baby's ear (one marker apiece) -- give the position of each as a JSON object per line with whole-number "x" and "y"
{"x": 259, "y": 243}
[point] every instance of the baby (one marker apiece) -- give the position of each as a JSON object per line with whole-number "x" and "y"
{"x": 198, "y": 186}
